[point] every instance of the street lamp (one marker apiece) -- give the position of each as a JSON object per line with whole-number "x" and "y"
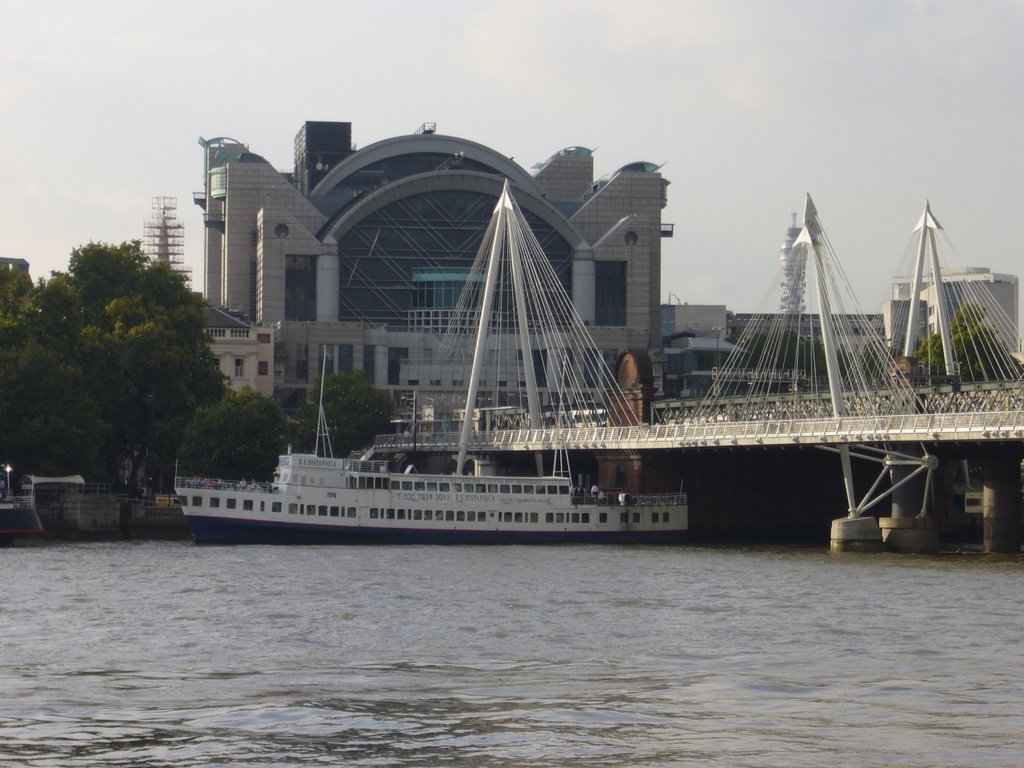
{"x": 7, "y": 468}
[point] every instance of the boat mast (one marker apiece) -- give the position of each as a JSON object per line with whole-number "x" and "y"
{"x": 322, "y": 433}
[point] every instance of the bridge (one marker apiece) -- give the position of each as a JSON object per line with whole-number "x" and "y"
{"x": 947, "y": 382}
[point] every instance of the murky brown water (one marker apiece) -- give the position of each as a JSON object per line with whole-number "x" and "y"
{"x": 160, "y": 654}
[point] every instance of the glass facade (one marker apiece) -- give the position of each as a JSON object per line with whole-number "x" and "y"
{"x": 439, "y": 232}
{"x": 300, "y": 288}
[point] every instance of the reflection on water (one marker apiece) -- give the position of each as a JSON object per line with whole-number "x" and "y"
{"x": 158, "y": 654}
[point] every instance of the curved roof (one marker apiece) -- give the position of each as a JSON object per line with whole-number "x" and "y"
{"x": 471, "y": 181}
{"x": 421, "y": 143}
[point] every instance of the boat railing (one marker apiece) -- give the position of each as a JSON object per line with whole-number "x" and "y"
{"x": 208, "y": 483}
{"x": 25, "y": 501}
{"x": 617, "y": 498}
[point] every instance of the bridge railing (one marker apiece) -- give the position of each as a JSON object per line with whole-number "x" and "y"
{"x": 933, "y": 426}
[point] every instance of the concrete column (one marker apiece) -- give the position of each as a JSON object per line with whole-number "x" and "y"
{"x": 327, "y": 287}
{"x": 1000, "y": 501}
{"x": 906, "y": 531}
{"x": 584, "y": 288}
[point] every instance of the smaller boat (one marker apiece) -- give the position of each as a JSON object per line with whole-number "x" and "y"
{"x": 18, "y": 518}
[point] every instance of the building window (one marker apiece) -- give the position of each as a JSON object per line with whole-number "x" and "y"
{"x": 610, "y": 293}
{"x": 239, "y": 367}
{"x": 263, "y": 368}
{"x": 300, "y": 288}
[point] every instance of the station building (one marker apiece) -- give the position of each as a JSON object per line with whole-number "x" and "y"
{"x": 361, "y": 255}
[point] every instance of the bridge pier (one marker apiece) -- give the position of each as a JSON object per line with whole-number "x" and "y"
{"x": 1000, "y": 501}
{"x": 856, "y": 534}
{"x": 908, "y": 530}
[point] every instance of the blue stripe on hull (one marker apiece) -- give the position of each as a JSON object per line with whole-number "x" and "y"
{"x": 219, "y": 530}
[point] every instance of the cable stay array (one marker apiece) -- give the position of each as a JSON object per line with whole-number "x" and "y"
{"x": 828, "y": 359}
{"x": 532, "y": 362}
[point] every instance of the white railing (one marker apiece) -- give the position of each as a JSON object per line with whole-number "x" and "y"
{"x": 986, "y": 426}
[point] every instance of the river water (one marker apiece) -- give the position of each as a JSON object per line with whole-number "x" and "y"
{"x": 167, "y": 654}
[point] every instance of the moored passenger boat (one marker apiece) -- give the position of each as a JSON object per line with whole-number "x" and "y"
{"x": 317, "y": 500}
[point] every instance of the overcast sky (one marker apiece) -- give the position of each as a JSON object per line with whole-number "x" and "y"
{"x": 871, "y": 106}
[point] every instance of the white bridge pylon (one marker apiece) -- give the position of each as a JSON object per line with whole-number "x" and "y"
{"x": 532, "y": 356}
{"x": 858, "y": 377}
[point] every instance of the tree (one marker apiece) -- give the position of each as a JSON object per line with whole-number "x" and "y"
{"x": 978, "y": 352}
{"x": 49, "y": 423}
{"x": 239, "y": 437}
{"x": 356, "y": 412}
{"x": 144, "y": 350}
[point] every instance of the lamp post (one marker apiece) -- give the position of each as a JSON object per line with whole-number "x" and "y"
{"x": 7, "y": 468}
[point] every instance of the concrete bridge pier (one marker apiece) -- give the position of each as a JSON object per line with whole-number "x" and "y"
{"x": 1000, "y": 500}
{"x": 908, "y": 530}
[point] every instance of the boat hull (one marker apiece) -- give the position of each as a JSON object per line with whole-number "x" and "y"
{"x": 227, "y": 530}
{"x": 18, "y": 520}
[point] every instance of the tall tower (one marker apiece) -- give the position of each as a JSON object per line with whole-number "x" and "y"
{"x": 164, "y": 235}
{"x": 793, "y": 273}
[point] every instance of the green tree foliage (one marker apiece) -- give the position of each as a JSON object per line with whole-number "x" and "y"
{"x": 144, "y": 349}
{"x": 977, "y": 350}
{"x": 102, "y": 366}
{"x": 239, "y": 437}
{"x": 356, "y": 412}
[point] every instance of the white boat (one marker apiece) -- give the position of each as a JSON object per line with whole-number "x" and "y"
{"x": 318, "y": 499}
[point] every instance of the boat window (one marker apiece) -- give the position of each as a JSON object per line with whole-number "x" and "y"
{"x": 391, "y": 513}
{"x": 449, "y": 515}
{"x": 263, "y": 505}
{"x": 460, "y": 515}
{"x": 481, "y": 488}
{"x": 197, "y": 501}
{"x": 293, "y": 508}
{"x": 214, "y": 502}
{"x": 373, "y": 513}
{"x": 655, "y": 517}
{"x": 335, "y": 511}
{"x": 418, "y": 485}
{"x": 519, "y": 517}
{"x": 636, "y": 517}
{"x": 322, "y": 510}
{"x": 507, "y": 517}
{"x": 563, "y": 490}
{"x": 230, "y": 503}
{"x": 517, "y": 489}
{"x": 443, "y": 487}
{"x": 575, "y": 518}
{"x": 401, "y": 514}
{"x": 560, "y": 517}
{"x": 624, "y": 517}
{"x": 385, "y": 483}
{"x": 492, "y": 487}
{"x": 311, "y": 509}
{"x": 407, "y": 485}
{"x": 528, "y": 489}
{"x": 275, "y": 506}
{"x": 428, "y": 515}
{"x": 417, "y": 514}
{"x": 549, "y": 517}
{"x": 351, "y": 512}
{"x": 431, "y": 486}
{"x": 585, "y": 517}
{"x": 602, "y": 517}
{"x": 503, "y": 488}
{"x": 553, "y": 489}
{"x": 247, "y": 505}
{"x": 533, "y": 517}
{"x": 457, "y": 487}
{"x": 471, "y": 516}
{"x": 541, "y": 490}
